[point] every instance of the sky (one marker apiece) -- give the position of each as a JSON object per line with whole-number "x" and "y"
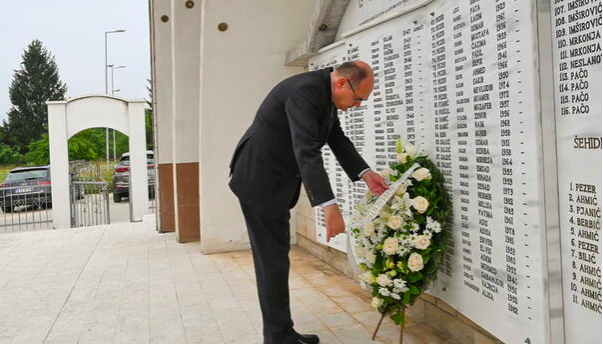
{"x": 74, "y": 32}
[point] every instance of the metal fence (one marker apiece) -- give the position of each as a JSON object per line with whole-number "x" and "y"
{"x": 89, "y": 203}
{"x": 152, "y": 199}
{"x": 25, "y": 208}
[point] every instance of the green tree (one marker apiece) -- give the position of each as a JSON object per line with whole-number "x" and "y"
{"x": 37, "y": 152}
{"x": 9, "y": 155}
{"x": 85, "y": 145}
{"x": 35, "y": 83}
{"x": 148, "y": 118}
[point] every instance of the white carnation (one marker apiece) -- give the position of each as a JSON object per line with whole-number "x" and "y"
{"x": 399, "y": 286}
{"x": 402, "y": 250}
{"x": 384, "y": 292}
{"x": 433, "y": 225}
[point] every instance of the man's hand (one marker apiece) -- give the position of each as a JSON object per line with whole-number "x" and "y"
{"x": 375, "y": 182}
{"x": 334, "y": 221}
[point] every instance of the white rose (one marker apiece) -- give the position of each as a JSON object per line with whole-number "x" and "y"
{"x": 415, "y": 262}
{"x": 402, "y": 157}
{"x": 383, "y": 280}
{"x": 390, "y": 246}
{"x": 422, "y": 242}
{"x": 395, "y": 296}
{"x": 402, "y": 189}
{"x": 384, "y": 292}
{"x": 421, "y": 174}
{"x": 394, "y": 222}
{"x": 370, "y": 257}
{"x": 369, "y": 229}
{"x": 420, "y": 204}
{"x": 376, "y": 302}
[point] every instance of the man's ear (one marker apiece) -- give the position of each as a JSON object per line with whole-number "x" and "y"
{"x": 340, "y": 82}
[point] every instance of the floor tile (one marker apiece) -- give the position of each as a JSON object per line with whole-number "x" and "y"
{"x": 126, "y": 283}
{"x": 337, "y": 320}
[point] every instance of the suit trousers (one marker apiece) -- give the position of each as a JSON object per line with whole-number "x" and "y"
{"x": 270, "y": 244}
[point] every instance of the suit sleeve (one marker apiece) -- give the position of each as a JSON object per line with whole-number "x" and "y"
{"x": 345, "y": 152}
{"x": 304, "y": 113}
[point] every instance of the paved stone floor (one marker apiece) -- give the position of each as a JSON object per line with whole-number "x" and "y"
{"x": 128, "y": 284}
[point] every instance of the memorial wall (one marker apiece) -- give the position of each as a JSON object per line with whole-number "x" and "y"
{"x": 577, "y": 66}
{"x": 461, "y": 79}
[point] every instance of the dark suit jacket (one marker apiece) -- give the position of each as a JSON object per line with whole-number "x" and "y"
{"x": 282, "y": 147}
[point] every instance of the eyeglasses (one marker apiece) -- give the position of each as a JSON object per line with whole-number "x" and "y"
{"x": 356, "y": 98}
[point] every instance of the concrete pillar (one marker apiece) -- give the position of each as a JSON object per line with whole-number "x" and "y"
{"x": 239, "y": 67}
{"x": 59, "y": 164}
{"x": 185, "y": 40}
{"x": 139, "y": 199}
{"x": 161, "y": 33}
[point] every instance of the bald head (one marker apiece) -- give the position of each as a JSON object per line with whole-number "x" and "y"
{"x": 351, "y": 84}
{"x": 355, "y": 71}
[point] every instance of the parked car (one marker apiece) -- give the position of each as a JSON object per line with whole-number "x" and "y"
{"x": 121, "y": 176}
{"x": 27, "y": 186}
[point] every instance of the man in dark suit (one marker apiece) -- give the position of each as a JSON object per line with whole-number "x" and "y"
{"x": 280, "y": 150}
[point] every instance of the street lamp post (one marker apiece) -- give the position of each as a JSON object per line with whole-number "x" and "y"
{"x": 113, "y": 67}
{"x": 107, "y": 87}
{"x": 113, "y": 91}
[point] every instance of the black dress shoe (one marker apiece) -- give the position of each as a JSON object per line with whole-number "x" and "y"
{"x": 306, "y": 338}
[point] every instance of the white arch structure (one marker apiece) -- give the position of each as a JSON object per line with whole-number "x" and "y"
{"x": 67, "y": 118}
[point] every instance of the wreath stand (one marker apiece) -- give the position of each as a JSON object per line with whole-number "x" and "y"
{"x": 372, "y": 214}
{"x": 401, "y": 339}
